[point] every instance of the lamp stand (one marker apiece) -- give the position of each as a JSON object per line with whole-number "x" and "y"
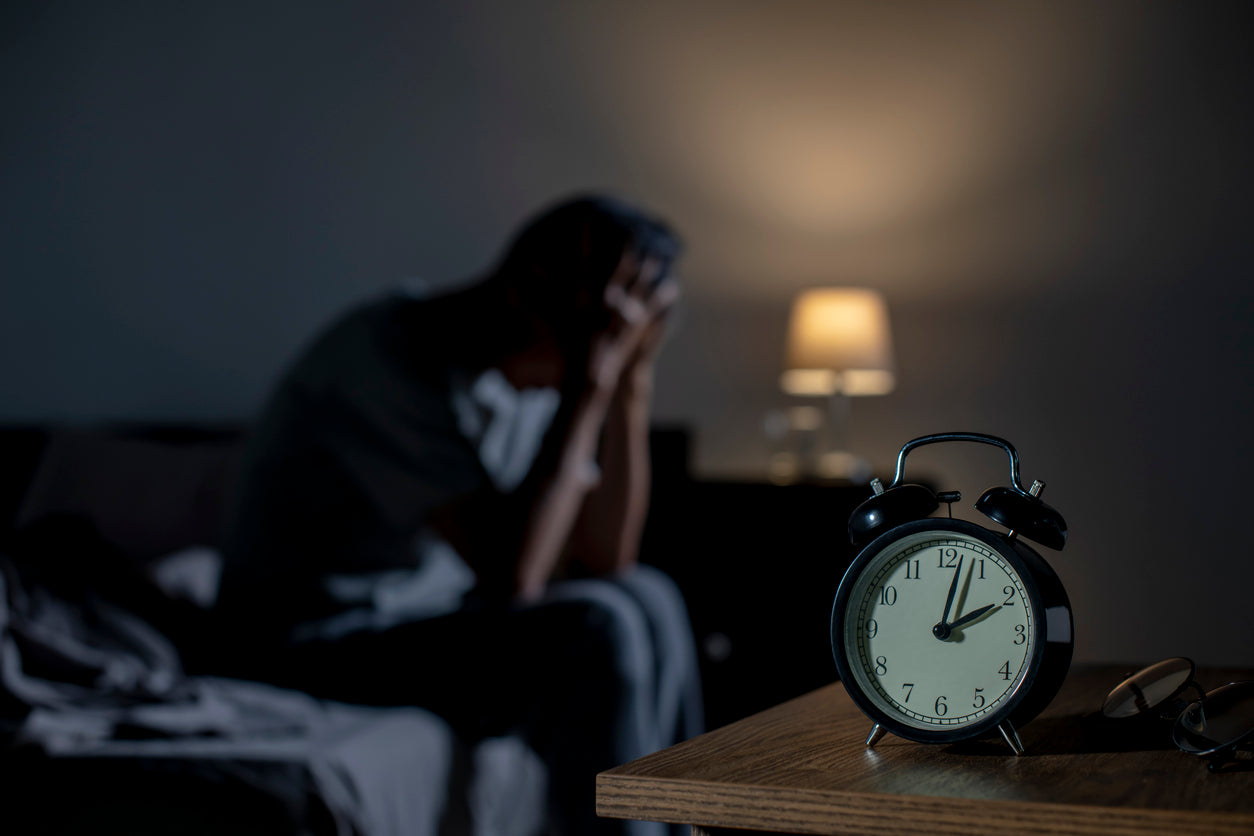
{"x": 835, "y": 462}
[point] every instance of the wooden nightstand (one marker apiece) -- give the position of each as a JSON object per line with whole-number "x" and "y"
{"x": 801, "y": 767}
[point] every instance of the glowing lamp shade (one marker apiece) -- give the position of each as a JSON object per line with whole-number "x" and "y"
{"x": 838, "y": 342}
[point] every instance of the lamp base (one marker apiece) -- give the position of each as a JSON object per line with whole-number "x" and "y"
{"x": 844, "y": 466}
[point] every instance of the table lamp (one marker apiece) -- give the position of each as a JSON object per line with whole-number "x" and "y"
{"x": 839, "y": 346}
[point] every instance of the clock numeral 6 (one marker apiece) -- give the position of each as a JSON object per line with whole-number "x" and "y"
{"x": 941, "y": 708}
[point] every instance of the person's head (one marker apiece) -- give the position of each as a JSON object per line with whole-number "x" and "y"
{"x": 559, "y": 263}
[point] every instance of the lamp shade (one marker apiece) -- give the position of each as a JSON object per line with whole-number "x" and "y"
{"x": 839, "y": 341}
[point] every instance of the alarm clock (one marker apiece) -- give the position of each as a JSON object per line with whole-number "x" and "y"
{"x": 944, "y": 630}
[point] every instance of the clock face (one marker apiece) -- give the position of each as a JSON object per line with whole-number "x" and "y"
{"x": 938, "y": 630}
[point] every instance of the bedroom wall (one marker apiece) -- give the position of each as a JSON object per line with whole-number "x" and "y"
{"x": 1051, "y": 195}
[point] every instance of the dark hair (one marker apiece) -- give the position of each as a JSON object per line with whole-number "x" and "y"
{"x": 572, "y": 248}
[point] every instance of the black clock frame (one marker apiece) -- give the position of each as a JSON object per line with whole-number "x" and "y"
{"x": 1051, "y": 658}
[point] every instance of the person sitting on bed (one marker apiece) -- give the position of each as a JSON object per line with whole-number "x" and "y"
{"x": 442, "y": 502}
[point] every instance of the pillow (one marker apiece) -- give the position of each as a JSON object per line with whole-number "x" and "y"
{"x": 146, "y": 498}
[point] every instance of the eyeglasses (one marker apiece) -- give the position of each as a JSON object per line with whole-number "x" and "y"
{"x": 1214, "y": 725}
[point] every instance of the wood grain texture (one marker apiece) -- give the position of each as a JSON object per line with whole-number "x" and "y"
{"x": 801, "y": 767}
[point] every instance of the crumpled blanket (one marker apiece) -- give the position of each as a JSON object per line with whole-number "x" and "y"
{"x": 92, "y": 681}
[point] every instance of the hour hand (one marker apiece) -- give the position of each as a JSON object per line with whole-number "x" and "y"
{"x": 972, "y": 616}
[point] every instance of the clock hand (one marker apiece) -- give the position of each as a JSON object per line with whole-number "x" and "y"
{"x": 972, "y": 616}
{"x": 941, "y": 630}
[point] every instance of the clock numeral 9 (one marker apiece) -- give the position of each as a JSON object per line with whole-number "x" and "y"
{"x": 888, "y": 595}
{"x": 872, "y": 628}
{"x": 881, "y": 665}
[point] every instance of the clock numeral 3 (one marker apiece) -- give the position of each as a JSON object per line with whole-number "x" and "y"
{"x": 1020, "y": 635}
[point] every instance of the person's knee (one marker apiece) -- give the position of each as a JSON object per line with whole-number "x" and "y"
{"x": 662, "y": 604}
{"x": 614, "y": 634}
{"x": 659, "y": 595}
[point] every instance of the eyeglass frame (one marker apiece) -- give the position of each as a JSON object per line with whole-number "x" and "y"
{"x": 1172, "y": 708}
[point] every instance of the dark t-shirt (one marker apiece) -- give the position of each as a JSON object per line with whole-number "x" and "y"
{"x": 372, "y": 429}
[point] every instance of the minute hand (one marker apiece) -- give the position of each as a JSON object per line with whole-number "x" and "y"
{"x": 942, "y": 627}
{"x": 972, "y": 616}
{"x": 953, "y": 586}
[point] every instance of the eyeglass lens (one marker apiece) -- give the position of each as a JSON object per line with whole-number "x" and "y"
{"x": 1223, "y": 718}
{"x": 1148, "y": 688}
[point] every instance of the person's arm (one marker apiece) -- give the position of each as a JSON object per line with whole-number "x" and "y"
{"x": 606, "y": 536}
{"x": 514, "y": 541}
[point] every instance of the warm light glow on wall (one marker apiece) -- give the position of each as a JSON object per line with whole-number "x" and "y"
{"x": 911, "y": 150}
{"x": 839, "y": 341}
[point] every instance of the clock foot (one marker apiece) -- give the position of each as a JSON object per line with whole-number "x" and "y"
{"x": 877, "y": 732}
{"x": 1011, "y": 737}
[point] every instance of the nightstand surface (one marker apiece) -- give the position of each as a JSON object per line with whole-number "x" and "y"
{"x": 802, "y": 767}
